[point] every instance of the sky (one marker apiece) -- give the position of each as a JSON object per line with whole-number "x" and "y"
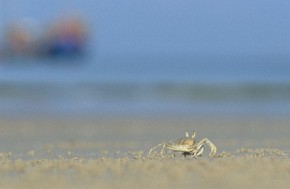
{"x": 171, "y": 26}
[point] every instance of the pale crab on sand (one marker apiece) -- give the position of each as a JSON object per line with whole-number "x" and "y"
{"x": 187, "y": 146}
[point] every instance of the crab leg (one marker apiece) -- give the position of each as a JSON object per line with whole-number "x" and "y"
{"x": 199, "y": 151}
{"x": 155, "y": 147}
{"x": 210, "y": 144}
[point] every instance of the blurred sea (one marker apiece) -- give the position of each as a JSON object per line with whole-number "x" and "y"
{"x": 146, "y": 85}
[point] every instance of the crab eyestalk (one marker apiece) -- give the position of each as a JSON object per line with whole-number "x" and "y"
{"x": 193, "y": 134}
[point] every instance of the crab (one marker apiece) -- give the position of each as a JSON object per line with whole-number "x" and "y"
{"x": 187, "y": 146}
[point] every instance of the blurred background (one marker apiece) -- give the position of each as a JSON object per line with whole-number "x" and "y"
{"x": 154, "y": 57}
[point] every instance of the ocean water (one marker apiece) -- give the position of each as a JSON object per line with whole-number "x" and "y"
{"x": 146, "y": 85}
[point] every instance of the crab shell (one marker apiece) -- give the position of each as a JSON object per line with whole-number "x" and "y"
{"x": 186, "y": 146}
{"x": 185, "y": 141}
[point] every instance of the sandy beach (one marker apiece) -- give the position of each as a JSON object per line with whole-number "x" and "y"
{"x": 112, "y": 153}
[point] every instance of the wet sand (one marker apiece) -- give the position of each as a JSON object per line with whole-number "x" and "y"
{"x": 112, "y": 153}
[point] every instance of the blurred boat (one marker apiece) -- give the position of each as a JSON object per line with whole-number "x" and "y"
{"x": 65, "y": 37}
{"x": 21, "y": 38}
